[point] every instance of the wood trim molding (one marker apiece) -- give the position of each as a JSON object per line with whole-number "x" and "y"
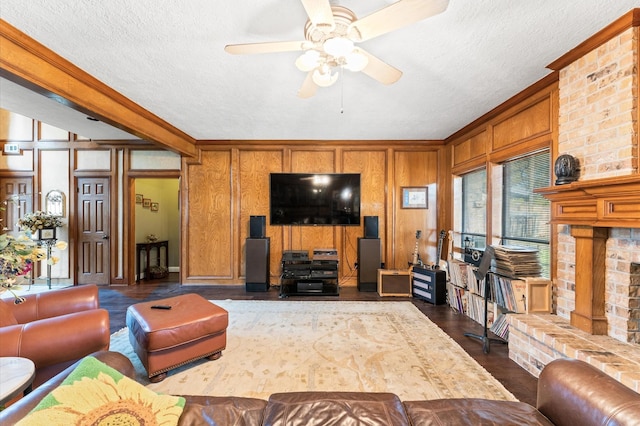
{"x": 531, "y": 91}
{"x": 591, "y": 207}
{"x": 628, "y": 20}
{"x": 28, "y": 63}
{"x": 364, "y": 144}
{"x": 610, "y": 202}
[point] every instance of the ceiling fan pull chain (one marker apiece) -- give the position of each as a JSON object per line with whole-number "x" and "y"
{"x": 342, "y": 89}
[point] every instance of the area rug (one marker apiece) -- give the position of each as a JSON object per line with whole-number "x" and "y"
{"x": 280, "y": 346}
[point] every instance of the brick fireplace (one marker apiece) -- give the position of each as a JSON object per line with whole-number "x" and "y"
{"x": 596, "y": 218}
{"x": 598, "y": 125}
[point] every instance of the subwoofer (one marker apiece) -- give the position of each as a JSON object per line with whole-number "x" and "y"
{"x": 257, "y": 226}
{"x": 371, "y": 226}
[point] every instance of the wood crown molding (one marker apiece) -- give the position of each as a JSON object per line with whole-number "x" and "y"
{"x": 28, "y": 63}
{"x": 629, "y": 20}
{"x": 239, "y": 143}
{"x": 606, "y": 203}
{"x": 535, "y": 89}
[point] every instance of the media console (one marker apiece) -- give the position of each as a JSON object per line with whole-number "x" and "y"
{"x": 304, "y": 276}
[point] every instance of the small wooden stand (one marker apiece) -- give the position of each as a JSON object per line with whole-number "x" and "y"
{"x": 147, "y": 247}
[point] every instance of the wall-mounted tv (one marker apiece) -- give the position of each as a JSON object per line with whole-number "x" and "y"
{"x": 314, "y": 199}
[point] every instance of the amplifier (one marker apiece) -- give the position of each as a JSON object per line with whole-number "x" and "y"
{"x": 330, "y": 265}
{"x": 296, "y": 273}
{"x": 394, "y": 282}
{"x": 324, "y": 273}
{"x": 309, "y": 286}
{"x": 325, "y": 254}
{"x": 430, "y": 285}
{"x": 291, "y": 255}
{"x": 289, "y": 266}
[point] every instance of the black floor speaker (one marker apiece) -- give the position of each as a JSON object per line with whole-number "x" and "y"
{"x": 369, "y": 260}
{"x": 257, "y": 226}
{"x": 257, "y": 266}
{"x": 371, "y": 226}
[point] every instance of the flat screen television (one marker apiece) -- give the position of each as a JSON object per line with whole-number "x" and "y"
{"x": 314, "y": 199}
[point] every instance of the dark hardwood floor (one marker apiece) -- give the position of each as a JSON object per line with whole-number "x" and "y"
{"x": 518, "y": 381}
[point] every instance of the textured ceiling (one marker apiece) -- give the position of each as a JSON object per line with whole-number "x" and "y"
{"x": 168, "y": 57}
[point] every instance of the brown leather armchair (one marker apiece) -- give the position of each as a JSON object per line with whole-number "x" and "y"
{"x": 54, "y": 328}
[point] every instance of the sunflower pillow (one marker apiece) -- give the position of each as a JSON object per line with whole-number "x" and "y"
{"x": 95, "y": 393}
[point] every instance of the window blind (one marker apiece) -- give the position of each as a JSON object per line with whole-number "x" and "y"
{"x": 474, "y": 208}
{"x": 526, "y": 215}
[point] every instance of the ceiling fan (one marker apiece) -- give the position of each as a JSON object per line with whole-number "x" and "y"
{"x": 331, "y": 34}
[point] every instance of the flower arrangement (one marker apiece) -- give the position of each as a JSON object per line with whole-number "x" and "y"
{"x": 17, "y": 256}
{"x": 38, "y": 220}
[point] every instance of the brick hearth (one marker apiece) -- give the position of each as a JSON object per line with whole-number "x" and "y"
{"x": 536, "y": 340}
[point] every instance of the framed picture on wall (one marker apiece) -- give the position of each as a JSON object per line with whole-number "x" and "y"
{"x": 146, "y": 202}
{"x": 139, "y": 198}
{"x": 155, "y": 207}
{"x": 414, "y": 197}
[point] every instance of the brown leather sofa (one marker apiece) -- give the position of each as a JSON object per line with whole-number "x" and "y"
{"x": 54, "y": 329}
{"x": 570, "y": 393}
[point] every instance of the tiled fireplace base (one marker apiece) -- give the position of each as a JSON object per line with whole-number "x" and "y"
{"x": 535, "y": 340}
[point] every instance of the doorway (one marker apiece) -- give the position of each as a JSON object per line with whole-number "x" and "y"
{"x": 17, "y": 194}
{"x": 157, "y": 217}
{"x": 94, "y": 230}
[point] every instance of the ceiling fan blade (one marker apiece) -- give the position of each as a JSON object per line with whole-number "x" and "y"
{"x": 268, "y": 47}
{"x": 308, "y": 88}
{"x": 397, "y": 15}
{"x": 319, "y": 12}
{"x": 379, "y": 70}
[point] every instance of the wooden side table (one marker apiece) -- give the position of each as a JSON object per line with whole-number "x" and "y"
{"x": 146, "y": 248}
{"x": 16, "y": 375}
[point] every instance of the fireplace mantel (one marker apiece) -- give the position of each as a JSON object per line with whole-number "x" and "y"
{"x": 607, "y": 203}
{"x": 591, "y": 207}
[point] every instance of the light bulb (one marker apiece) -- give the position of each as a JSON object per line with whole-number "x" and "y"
{"x": 338, "y": 46}
{"x": 323, "y": 77}
{"x": 356, "y": 61}
{"x": 308, "y": 60}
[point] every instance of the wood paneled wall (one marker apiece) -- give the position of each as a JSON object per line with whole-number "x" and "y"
{"x": 228, "y": 184}
{"x": 525, "y": 124}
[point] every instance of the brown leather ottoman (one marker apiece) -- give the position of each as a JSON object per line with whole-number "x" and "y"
{"x": 164, "y": 339}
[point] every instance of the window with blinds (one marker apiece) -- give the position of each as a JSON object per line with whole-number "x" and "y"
{"x": 526, "y": 215}
{"x": 474, "y": 209}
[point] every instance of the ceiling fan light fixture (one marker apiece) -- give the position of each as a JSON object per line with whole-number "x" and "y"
{"x": 338, "y": 47}
{"x": 356, "y": 61}
{"x": 323, "y": 77}
{"x": 308, "y": 60}
{"x": 331, "y": 34}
